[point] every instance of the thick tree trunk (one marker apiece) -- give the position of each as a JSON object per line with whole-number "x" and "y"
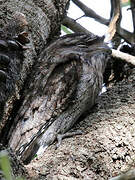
{"x": 44, "y": 19}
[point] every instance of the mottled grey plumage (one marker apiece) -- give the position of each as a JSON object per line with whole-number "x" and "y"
{"x": 68, "y": 81}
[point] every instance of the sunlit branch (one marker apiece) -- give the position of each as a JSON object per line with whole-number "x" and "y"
{"x": 115, "y": 18}
{"x": 123, "y": 56}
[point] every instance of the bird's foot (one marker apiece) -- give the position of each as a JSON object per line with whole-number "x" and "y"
{"x": 68, "y": 134}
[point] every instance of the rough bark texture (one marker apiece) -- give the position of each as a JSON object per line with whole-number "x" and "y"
{"x": 13, "y": 38}
{"x": 44, "y": 19}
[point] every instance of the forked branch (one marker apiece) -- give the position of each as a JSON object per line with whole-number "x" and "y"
{"x": 88, "y": 12}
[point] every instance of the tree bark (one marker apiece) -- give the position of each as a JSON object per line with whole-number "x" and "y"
{"x": 43, "y": 26}
{"x": 44, "y": 19}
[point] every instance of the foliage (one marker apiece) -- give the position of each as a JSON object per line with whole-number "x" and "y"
{"x": 65, "y": 29}
{"x": 125, "y": 3}
{"x": 6, "y": 168}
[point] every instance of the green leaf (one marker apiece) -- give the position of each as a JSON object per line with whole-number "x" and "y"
{"x": 65, "y": 29}
{"x": 19, "y": 178}
{"x": 5, "y": 165}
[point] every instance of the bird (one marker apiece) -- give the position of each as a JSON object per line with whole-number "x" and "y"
{"x": 63, "y": 85}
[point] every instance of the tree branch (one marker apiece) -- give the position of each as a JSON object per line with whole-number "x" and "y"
{"x": 115, "y": 18}
{"x": 90, "y": 13}
{"x": 126, "y": 35}
{"x": 123, "y": 56}
{"x": 74, "y": 26}
{"x": 114, "y": 25}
